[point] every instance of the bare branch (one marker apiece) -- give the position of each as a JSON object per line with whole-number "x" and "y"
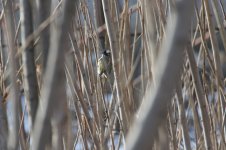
{"x": 29, "y": 68}
{"x": 168, "y": 67}
{"x": 53, "y": 94}
{"x": 14, "y": 90}
{"x": 112, "y": 31}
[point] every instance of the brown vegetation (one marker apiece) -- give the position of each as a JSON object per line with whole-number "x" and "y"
{"x": 166, "y": 89}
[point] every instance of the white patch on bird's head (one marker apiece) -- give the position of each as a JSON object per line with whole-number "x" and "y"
{"x": 108, "y": 51}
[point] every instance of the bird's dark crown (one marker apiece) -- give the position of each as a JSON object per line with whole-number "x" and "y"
{"x": 107, "y": 52}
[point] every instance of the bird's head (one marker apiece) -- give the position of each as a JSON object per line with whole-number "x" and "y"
{"x": 107, "y": 52}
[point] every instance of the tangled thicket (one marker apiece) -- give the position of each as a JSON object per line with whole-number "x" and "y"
{"x": 166, "y": 90}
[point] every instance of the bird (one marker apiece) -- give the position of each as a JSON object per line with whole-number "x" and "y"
{"x": 104, "y": 64}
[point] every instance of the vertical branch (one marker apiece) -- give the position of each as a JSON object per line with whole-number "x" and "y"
{"x": 3, "y": 125}
{"x": 214, "y": 44}
{"x": 44, "y": 13}
{"x": 127, "y": 57}
{"x": 53, "y": 93}
{"x": 3, "y": 115}
{"x": 29, "y": 69}
{"x": 149, "y": 10}
{"x": 115, "y": 51}
{"x": 219, "y": 22}
{"x": 183, "y": 120}
{"x": 14, "y": 90}
{"x": 153, "y": 109}
{"x": 99, "y": 21}
{"x": 201, "y": 99}
{"x": 87, "y": 90}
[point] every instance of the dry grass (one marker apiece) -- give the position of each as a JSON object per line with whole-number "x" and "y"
{"x": 75, "y": 109}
